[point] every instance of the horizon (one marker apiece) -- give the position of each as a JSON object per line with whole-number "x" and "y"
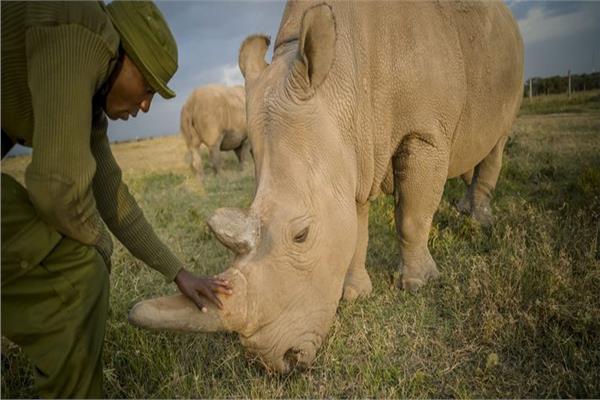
{"x": 557, "y": 36}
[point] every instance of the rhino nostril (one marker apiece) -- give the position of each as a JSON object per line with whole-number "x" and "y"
{"x": 294, "y": 359}
{"x": 290, "y": 358}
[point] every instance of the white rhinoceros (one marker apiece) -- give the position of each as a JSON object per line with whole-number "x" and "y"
{"x": 360, "y": 97}
{"x": 215, "y": 115}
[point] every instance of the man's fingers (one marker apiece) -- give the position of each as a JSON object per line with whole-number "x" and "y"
{"x": 198, "y": 301}
{"x": 212, "y": 297}
{"x": 216, "y": 300}
{"x": 222, "y": 289}
{"x": 221, "y": 282}
{"x": 219, "y": 285}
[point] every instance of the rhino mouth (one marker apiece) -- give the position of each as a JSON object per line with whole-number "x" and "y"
{"x": 296, "y": 357}
{"x": 299, "y": 357}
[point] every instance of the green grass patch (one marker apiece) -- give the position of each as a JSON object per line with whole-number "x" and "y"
{"x": 580, "y": 102}
{"x": 515, "y": 313}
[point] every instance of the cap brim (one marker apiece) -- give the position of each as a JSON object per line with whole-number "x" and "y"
{"x": 165, "y": 92}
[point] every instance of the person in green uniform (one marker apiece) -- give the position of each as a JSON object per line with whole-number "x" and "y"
{"x": 66, "y": 67}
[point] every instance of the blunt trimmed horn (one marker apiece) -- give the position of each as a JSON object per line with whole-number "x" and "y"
{"x": 178, "y": 313}
{"x": 235, "y": 228}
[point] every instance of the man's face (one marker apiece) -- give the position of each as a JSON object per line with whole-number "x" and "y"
{"x": 129, "y": 92}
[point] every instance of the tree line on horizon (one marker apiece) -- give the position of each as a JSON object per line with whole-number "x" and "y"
{"x": 560, "y": 84}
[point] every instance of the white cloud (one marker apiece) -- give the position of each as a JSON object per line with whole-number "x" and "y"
{"x": 226, "y": 74}
{"x": 539, "y": 25}
{"x": 232, "y": 75}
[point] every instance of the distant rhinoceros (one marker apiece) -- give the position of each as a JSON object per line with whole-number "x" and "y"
{"x": 361, "y": 97}
{"x": 215, "y": 115}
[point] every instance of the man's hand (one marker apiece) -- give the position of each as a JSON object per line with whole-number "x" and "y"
{"x": 191, "y": 285}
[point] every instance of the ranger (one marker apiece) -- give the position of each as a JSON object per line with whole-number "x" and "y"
{"x": 66, "y": 67}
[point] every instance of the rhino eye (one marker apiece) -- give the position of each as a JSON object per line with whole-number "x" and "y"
{"x": 301, "y": 236}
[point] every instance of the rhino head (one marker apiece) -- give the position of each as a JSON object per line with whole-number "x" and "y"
{"x": 295, "y": 243}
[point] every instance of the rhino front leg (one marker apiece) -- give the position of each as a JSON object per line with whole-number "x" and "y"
{"x": 476, "y": 200}
{"x": 420, "y": 171}
{"x": 357, "y": 282}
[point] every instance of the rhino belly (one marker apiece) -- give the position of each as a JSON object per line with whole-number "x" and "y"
{"x": 494, "y": 65}
{"x": 232, "y": 140}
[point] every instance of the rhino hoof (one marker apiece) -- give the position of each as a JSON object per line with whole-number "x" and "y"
{"x": 464, "y": 205}
{"x": 351, "y": 293}
{"x": 413, "y": 285}
{"x": 357, "y": 284}
{"x": 484, "y": 216}
{"x": 482, "y": 212}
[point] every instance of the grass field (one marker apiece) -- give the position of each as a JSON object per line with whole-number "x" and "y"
{"x": 580, "y": 102}
{"x": 516, "y": 312}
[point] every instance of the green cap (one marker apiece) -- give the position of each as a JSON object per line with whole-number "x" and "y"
{"x": 147, "y": 40}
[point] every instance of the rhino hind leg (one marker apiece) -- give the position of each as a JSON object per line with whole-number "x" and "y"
{"x": 481, "y": 184}
{"x": 420, "y": 170}
{"x": 357, "y": 282}
{"x": 464, "y": 204}
{"x": 243, "y": 152}
{"x": 215, "y": 159}
{"x": 196, "y": 162}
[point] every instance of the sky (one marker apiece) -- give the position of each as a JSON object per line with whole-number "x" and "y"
{"x": 208, "y": 35}
{"x": 558, "y": 36}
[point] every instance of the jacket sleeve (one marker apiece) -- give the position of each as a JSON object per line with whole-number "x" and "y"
{"x": 64, "y": 64}
{"x": 120, "y": 211}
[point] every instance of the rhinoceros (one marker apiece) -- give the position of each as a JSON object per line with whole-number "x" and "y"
{"x": 215, "y": 115}
{"x": 360, "y": 98}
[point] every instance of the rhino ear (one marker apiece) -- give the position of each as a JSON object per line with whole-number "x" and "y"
{"x": 235, "y": 229}
{"x": 316, "y": 50}
{"x": 251, "y": 58}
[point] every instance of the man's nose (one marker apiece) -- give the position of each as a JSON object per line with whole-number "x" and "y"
{"x": 145, "y": 104}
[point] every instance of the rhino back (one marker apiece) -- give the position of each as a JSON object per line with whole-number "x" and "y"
{"x": 218, "y": 110}
{"x": 415, "y": 68}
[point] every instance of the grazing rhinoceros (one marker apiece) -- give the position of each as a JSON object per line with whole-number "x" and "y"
{"x": 215, "y": 115}
{"x": 360, "y": 98}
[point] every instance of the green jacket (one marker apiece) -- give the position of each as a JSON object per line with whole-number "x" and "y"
{"x": 55, "y": 58}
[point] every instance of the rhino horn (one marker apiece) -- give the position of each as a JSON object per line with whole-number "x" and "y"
{"x": 235, "y": 229}
{"x": 178, "y": 313}
{"x": 251, "y": 58}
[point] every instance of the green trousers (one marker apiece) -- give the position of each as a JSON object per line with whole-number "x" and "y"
{"x": 54, "y": 299}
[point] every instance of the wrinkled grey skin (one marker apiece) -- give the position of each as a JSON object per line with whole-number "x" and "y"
{"x": 215, "y": 115}
{"x": 360, "y": 98}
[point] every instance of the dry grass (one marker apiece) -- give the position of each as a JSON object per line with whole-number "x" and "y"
{"x": 580, "y": 102}
{"x": 516, "y": 312}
